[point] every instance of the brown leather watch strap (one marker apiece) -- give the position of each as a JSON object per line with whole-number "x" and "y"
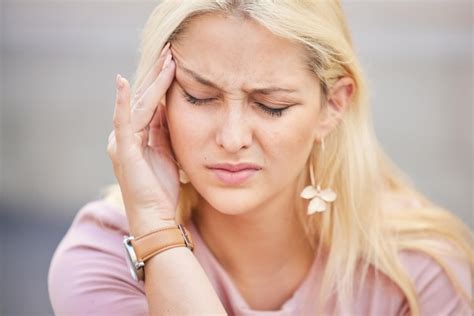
{"x": 151, "y": 244}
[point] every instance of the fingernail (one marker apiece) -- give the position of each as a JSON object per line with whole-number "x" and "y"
{"x": 119, "y": 82}
{"x": 165, "y": 49}
{"x": 167, "y": 61}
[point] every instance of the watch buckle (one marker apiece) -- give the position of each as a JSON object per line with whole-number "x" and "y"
{"x": 187, "y": 241}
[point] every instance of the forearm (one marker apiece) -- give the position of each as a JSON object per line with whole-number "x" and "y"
{"x": 176, "y": 284}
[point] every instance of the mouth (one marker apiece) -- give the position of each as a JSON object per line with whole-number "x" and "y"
{"x": 234, "y": 174}
{"x": 234, "y": 177}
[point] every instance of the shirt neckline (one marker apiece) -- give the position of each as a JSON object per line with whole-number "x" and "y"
{"x": 290, "y": 306}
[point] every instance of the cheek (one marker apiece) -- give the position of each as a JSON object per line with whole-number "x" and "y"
{"x": 187, "y": 130}
{"x": 291, "y": 137}
{"x": 287, "y": 146}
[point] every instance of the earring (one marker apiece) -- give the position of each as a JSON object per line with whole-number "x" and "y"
{"x": 314, "y": 193}
{"x": 183, "y": 177}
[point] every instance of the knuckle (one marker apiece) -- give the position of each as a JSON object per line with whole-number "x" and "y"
{"x": 110, "y": 149}
{"x": 117, "y": 124}
{"x": 111, "y": 136}
{"x": 116, "y": 167}
{"x": 112, "y": 154}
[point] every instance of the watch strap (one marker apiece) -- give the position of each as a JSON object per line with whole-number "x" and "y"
{"x": 151, "y": 244}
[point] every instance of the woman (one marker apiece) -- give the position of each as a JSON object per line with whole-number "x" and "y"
{"x": 249, "y": 124}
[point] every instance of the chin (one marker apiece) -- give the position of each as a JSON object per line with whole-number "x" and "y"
{"x": 232, "y": 201}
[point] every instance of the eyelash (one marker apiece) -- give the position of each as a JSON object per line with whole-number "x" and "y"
{"x": 270, "y": 111}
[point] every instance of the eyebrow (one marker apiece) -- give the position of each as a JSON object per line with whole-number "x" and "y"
{"x": 204, "y": 81}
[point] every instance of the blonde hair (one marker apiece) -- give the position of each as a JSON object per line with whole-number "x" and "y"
{"x": 357, "y": 226}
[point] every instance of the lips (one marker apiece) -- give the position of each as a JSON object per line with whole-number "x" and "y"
{"x": 234, "y": 174}
{"x": 235, "y": 167}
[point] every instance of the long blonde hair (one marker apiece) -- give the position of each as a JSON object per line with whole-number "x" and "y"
{"x": 358, "y": 227}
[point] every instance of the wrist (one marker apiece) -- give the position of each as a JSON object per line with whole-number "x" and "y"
{"x": 141, "y": 226}
{"x": 140, "y": 249}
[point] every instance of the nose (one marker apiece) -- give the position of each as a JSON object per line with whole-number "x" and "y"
{"x": 234, "y": 132}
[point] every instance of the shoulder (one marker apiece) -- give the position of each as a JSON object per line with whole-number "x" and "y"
{"x": 439, "y": 281}
{"x": 88, "y": 272}
{"x": 97, "y": 225}
{"x": 437, "y": 270}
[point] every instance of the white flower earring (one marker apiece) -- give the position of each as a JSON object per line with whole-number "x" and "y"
{"x": 314, "y": 193}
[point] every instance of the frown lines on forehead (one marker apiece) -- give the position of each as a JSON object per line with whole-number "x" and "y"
{"x": 260, "y": 90}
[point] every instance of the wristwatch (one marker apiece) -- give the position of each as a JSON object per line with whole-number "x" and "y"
{"x": 140, "y": 249}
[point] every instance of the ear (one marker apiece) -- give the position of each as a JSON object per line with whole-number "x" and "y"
{"x": 338, "y": 100}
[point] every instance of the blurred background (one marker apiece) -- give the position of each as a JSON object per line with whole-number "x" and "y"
{"x": 58, "y": 64}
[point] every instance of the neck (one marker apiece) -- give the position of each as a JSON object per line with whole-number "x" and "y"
{"x": 263, "y": 245}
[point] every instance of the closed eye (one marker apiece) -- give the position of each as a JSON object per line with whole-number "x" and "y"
{"x": 271, "y": 111}
{"x": 196, "y": 101}
{"x": 263, "y": 107}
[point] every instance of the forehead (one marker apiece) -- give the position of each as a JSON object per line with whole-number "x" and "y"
{"x": 239, "y": 52}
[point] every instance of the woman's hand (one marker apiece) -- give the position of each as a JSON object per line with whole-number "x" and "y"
{"x": 140, "y": 150}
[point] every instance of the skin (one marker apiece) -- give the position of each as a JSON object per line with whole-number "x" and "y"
{"x": 250, "y": 228}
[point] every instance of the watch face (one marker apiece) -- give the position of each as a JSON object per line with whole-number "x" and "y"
{"x": 135, "y": 267}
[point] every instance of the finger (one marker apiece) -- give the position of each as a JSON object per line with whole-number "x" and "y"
{"x": 155, "y": 70}
{"x": 153, "y": 73}
{"x": 159, "y": 119}
{"x": 111, "y": 145}
{"x": 121, "y": 120}
{"x": 144, "y": 135}
{"x": 111, "y": 136}
{"x": 112, "y": 152}
{"x": 143, "y": 111}
{"x": 159, "y": 133}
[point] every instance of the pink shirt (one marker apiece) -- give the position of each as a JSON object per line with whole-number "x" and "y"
{"x": 89, "y": 275}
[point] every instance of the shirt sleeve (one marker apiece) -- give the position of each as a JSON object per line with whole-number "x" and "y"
{"x": 436, "y": 292}
{"x": 88, "y": 274}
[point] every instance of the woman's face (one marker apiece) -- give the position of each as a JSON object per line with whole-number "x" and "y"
{"x": 233, "y": 78}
